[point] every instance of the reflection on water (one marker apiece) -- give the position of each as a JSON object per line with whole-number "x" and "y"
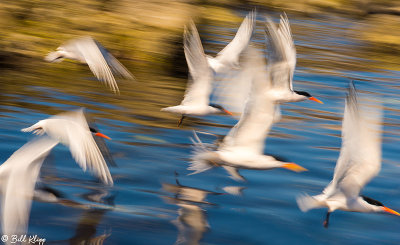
{"x": 86, "y": 229}
{"x": 147, "y": 147}
{"x": 191, "y": 221}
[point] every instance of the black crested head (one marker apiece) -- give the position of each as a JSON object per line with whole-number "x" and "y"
{"x": 372, "y": 201}
{"x": 59, "y": 57}
{"x": 222, "y": 109}
{"x": 303, "y": 93}
{"x": 217, "y": 106}
{"x": 93, "y": 130}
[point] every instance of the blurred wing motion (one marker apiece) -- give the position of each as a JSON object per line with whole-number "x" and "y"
{"x": 238, "y": 89}
{"x": 228, "y": 58}
{"x": 99, "y": 60}
{"x": 281, "y": 53}
{"x": 235, "y": 88}
{"x": 360, "y": 155}
{"x": 199, "y": 89}
{"x": 71, "y": 129}
{"x": 18, "y": 177}
{"x": 253, "y": 127}
{"x": 244, "y": 145}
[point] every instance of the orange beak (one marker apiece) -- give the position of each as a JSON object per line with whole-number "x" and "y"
{"x": 103, "y": 135}
{"x": 228, "y": 112}
{"x": 315, "y": 99}
{"x": 294, "y": 167}
{"x": 386, "y": 209}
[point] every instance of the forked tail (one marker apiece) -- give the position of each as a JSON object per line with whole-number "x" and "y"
{"x": 35, "y": 128}
{"x": 201, "y": 159}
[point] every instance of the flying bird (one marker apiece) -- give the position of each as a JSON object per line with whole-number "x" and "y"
{"x": 228, "y": 58}
{"x": 244, "y": 145}
{"x": 19, "y": 173}
{"x": 100, "y": 61}
{"x": 359, "y": 161}
{"x": 72, "y": 130}
{"x": 282, "y": 62}
{"x": 18, "y": 176}
{"x": 197, "y": 96}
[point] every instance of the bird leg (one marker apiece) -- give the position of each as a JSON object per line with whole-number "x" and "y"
{"x": 180, "y": 120}
{"x": 326, "y": 221}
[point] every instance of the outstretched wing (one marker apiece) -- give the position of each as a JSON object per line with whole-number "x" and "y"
{"x": 282, "y": 53}
{"x": 233, "y": 90}
{"x": 200, "y": 85}
{"x": 18, "y": 178}
{"x": 90, "y": 52}
{"x": 72, "y": 130}
{"x": 113, "y": 63}
{"x": 229, "y": 56}
{"x": 360, "y": 155}
{"x": 81, "y": 143}
{"x": 258, "y": 116}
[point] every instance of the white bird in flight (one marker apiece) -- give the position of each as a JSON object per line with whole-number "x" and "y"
{"x": 72, "y": 130}
{"x": 18, "y": 177}
{"x": 358, "y": 163}
{"x": 19, "y": 173}
{"x": 100, "y": 61}
{"x": 197, "y": 95}
{"x": 244, "y": 145}
{"x": 282, "y": 62}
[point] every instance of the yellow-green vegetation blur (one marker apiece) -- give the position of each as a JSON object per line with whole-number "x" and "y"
{"x": 146, "y": 36}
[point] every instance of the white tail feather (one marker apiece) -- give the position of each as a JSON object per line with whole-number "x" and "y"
{"x": 306, "y": 202}
{"x": 36, "y": 130}
{"x": 200, "y": 160}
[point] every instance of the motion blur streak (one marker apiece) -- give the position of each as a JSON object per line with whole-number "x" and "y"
{"x": 336, "y": 41}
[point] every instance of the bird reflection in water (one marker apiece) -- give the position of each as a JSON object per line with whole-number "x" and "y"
{"x": 86, "y": 231}
{"x": 192, "y": 220}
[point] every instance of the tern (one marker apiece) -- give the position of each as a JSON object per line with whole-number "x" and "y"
{"x": 19, "y": 173}
{"x": 100, "y": 61}
{"x": 282, "y": 62}
{"x": 71, "y": 129}
{"x": 359, "y": 161}
{"x": 197, "y": 96}
{"x": 243, "y": 146}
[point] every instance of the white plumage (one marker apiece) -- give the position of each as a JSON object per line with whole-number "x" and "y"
{"x": 18, "y": 176}
{"x": 358, "y": 163}
{"x": 228, "y": 58}
{"x": 72, "y": 130}
{"x": 244, "y": 145}
{"x": 197, "y": 95}
{"x": 282, "y": 62}
{"x": 99, "y": 60}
